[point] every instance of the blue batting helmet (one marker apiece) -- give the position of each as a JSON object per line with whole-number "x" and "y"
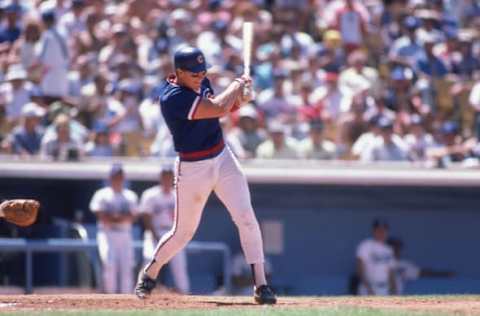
{"x": 190, "y": 58}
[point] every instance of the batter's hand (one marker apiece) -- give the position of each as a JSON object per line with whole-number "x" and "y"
{"x": 247, "y": 91}
{"x": 20, "y": 212}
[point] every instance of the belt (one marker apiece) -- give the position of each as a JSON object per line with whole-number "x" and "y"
{"x": 202, "y": 154}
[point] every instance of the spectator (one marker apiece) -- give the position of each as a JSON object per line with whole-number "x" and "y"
{"x": 332, "y": 100}
{"x": 25, "y": 138}
{"x": 115, "y": 208}
{"x": 350, "y": 18}
{"x": 54, "y": 57}
{"x": 248, "y": 132}
{"x": 275, "y": 103}
{"x": 358, "y": 77}
{"x": 450, "y": 148}
{"x": 429, "y": 64}
{"x": 157, "y": 207}
{"x": 12, "y": 30}
{"x": 406, "y": 48}
{"x": 352, "y": 125}
{"x": 406, "y": 270}
{"x": 376, "y": 263}
{"x": 418, "y": 140}
{"x": 73, "y": 21}
{"x": 129, "y": 122}
{"x": 474, "y": 100}
{"x": 61, "y": 145}
{"x": 27, "y": 48}
{"x": 316, "y": 146}
{"x": 100, "y": 145}
{"x": 390, "y": 146}
{"x": 15, "y": 93}
{"x": 279, "y": 145}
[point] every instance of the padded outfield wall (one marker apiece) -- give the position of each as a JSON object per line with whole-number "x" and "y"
{"x": 315, "y": 215}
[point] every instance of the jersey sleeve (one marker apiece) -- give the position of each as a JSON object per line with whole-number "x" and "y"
{"x": 146, "y": 205}
{"x": 363, "y": 251}
{"x": 180, "y": 104}
{"x": 97, "y": 204}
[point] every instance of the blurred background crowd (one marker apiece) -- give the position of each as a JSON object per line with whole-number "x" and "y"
{"x": 368, "y": 80}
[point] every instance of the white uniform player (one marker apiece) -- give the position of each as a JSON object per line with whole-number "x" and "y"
{"x": 375, "y": 263}
{"x": 205, "y": 164}
{"x": 157, "y": 204}
{"x": 115, "y": 208}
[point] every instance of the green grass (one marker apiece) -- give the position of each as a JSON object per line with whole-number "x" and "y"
{"x": 267, "y": 311}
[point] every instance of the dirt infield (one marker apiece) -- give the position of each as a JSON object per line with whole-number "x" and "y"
{"x": 461, "y": 305}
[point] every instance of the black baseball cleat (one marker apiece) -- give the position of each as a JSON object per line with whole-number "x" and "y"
{"x": 144, "y": 287}
{"x": 264, "y": 295}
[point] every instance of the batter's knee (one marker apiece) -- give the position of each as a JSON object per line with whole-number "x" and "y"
{"x": 181, "y": 237}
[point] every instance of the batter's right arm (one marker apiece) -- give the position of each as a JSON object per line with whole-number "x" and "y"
{"x": 221, "y": 104}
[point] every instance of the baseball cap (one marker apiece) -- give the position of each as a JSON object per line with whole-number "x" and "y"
{"x": 16, "y": 72}
{"x": 385, "y": 123}
{"x": 449, "y": 128}
{"x": 411, "y": 22}
{"x": 116, "y": 169}
{"x": 248, "y": 111}
{"x": 380, "y": 222}
{"x": 190, "y": 58}
{"x": 32, "y": 109}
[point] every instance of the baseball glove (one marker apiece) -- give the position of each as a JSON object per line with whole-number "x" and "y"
{"x": 20, "y": 212}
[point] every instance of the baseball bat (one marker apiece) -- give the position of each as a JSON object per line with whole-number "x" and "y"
{"x": 247, "y": 46}
{"x": 247, "y": 49}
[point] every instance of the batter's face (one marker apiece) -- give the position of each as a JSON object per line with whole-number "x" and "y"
{"x": 192, "y": 80}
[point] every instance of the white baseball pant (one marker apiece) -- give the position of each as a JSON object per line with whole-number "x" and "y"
{"x": 194, "y": 183}
{"x": 117, "y": 256}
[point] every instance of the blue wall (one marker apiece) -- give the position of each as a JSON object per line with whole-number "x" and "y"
{"x": 323, "y": 224}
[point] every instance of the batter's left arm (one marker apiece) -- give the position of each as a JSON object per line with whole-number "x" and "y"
{"x": 220, "y": 105}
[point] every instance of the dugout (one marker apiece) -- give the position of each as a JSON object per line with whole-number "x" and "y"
{"x": 314, "y": 213}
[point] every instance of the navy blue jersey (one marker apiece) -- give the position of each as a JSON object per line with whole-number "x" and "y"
{"x": 178, "y": 105}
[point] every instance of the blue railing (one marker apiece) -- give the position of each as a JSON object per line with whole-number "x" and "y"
{"x": 62, "y": 245}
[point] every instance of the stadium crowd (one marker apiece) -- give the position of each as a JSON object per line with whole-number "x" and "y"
{"x": 370, "y": 80}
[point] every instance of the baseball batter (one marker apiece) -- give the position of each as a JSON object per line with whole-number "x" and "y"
{"x": 204, "y": 164}
{"x": 157, "y": 205}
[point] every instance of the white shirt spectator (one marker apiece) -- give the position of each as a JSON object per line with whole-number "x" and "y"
{"x": 335, "y": 102}
{"x": 418, "y": 145}
{"x": 55, "y": 60}
{"x": 474, "y": 97}
{"x": 396, "y": 150}
{"x": 289, "y": 150}
{"x": 378, "y": 261}
{"x": 325, "y": 151}
{"x": 14, "y": 100}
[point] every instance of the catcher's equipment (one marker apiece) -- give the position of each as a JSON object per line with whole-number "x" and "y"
{"x": 20, "y": 212}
